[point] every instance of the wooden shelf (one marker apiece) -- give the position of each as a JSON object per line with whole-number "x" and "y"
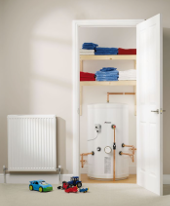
{"x": 107, "y": 57}
{"x": 112, "y": 83}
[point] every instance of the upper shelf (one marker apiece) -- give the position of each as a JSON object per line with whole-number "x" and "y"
{"x": 107, "y": 83}
{"x": 107, "y": 57}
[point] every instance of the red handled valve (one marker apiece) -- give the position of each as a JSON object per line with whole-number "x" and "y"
{"x": 113, "y": 126}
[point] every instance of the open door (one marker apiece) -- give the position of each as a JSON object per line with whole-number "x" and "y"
{"x": 149, "y": 105}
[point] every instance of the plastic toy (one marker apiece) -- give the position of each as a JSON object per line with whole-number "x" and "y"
{"x": 74, "y": 181}
{"x": 40, "y": 185}
{"x": 83, "y": 190}
{"x": 65, "y": 185}
{"x": 72, "y": 189}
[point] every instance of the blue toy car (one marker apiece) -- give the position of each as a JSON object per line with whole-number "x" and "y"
{"x": 83, "y": 190}
{"x": 40, "y": 185}
{"x": 74, "y": 181}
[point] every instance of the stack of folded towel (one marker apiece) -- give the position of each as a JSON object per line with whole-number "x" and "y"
{"x": 127, "y": 75}
{"x": 107, "y": 74}
{"x": 89, "y": 46}
{"x": 86, "y": 52}
{"x": 85, "y": 76}
{"x": 88, "y": 49}
{"x": 126, "y": 51}
{"x": 106, "y": 51}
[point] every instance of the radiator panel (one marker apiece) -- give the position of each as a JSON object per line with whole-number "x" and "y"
{"x": 32, "y": 143}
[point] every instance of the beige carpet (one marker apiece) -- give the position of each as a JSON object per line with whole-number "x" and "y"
{"x": 98, "y": 195}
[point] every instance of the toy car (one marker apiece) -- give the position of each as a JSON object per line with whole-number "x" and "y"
{"x": 72, "y": 189}
{"x": 74, "y": 181}
{"x": 83, "y": 190}
{"x": 40, "y": 185}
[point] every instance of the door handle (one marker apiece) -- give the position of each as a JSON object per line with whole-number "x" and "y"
{"x": 157, "y": 111}
{"x": 162, "y": 110}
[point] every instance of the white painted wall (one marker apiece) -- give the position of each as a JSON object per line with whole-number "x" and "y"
{"x": 36, "y": 55}
{"x": 107, "y": 37}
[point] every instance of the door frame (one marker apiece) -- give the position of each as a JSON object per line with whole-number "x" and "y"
{"x": 76, "y": 76}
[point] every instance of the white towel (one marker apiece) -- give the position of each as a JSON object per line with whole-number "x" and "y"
{"x": 86, "y": 54}
{"x": 86, "y": 51}
{"x": 127, "y": 75}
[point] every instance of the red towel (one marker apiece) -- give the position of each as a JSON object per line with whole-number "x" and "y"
{"x": 86, "y": 74}
{"x": 126, "y": 51}
{"x": 83, "y": 79}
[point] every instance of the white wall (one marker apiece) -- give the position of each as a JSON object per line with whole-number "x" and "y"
{"x": 107, "y": 37}
{"x": 37, "y": 60}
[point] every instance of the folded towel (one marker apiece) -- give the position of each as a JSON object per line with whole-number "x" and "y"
{"x": 87, "y": 51}
{"x": 86, "y": 74}
{"x": 86, "y": 54}
{"x": 127, "y": 79}
{"x": 110, "y": 73}
{"x": 106, "y": 51}
{"x": 87, "y": 79}
{"x": 126, "y": 51}
{"x": 127, "y": 74}
{"x": 89, "y": 46}
{"x": 106, "y": 69}
{"x": 106, "y": 79}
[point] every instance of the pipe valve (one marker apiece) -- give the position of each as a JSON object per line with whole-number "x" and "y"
{"x": 113, "y": 126}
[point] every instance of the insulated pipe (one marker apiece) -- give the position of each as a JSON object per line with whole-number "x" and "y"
{"x": 82, "y": 155}
{"x": 114, "y": 155}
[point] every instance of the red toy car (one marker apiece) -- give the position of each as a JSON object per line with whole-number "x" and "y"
{"x": 71, "y": 189}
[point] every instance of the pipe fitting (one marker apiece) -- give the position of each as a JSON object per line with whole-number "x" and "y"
{"x": 113, "y": 126}
{"x": 85, "y": 154}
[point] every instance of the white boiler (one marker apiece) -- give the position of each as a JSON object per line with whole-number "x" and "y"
{"x": 100, "y": 140}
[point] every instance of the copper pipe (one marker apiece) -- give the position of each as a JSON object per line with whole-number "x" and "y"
{"x": 114, "y": 154}
{"x": 119, "y": 93}
{"x": 125, "y": 145}
{"x": 133, "y": 149}
{"x": 123, "y": 153}
{"x": 82, "y": 160}
{"x": 130, "y": 154}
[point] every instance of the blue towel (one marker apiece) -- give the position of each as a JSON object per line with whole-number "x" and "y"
{"x": 106, "y": 79}
{"x": 111, "y": 73}
{"x": 89, "y": 46}
{"x": 106, "y": 51}
{"x": 107, "y": 74}
{"x": 105, "y": 69}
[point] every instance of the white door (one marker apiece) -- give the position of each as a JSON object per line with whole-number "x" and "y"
{"x": 149, "y": 105}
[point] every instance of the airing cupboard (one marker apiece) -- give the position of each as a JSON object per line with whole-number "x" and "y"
{"x": 148, "y": 103}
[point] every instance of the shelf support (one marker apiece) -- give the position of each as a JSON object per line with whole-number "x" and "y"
{"x": 134, "y": 89}
{"x": 81, "y": 65}
{"x": 81, "y": 100}
{"x": 134, "y": 64}
{"x": 81, "y": 89}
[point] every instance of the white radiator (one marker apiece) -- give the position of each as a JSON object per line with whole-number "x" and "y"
{"x": 32, "y": 143}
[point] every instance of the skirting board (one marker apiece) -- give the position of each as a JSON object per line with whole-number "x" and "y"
{"x": 52, "y": 178}
{"x": 25, "y": 178}
{"x": 166, "y": 179}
